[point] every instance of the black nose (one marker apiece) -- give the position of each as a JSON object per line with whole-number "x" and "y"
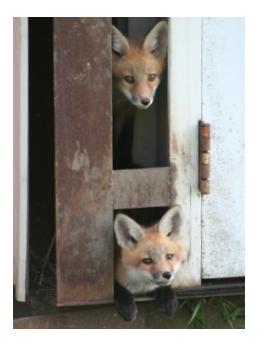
{"x": 166, "y": 275}
{"x": 145, "y": 101}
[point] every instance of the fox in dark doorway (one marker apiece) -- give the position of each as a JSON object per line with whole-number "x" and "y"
{"x": 137, "y": 72}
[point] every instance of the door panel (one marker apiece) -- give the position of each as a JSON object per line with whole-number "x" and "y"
{"x": 223, "y": 107}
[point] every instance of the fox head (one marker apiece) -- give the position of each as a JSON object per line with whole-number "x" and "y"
{"x": 137, "y": 66}
{"x": 151, "y": 254}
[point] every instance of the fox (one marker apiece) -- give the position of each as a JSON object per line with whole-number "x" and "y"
{"x": 137, "y": 67}
{"x": 149, "y": 260}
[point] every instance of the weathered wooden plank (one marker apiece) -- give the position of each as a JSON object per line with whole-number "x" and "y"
{"x": 83, "y": 146}
{"x": 140, "y": 188}
{"x": 184, "y": 114}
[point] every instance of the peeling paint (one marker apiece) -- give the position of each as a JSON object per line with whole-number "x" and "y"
{"x": 80, "y": 161}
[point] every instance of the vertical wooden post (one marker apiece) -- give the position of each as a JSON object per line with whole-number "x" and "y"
{"x": 83, "y": 154}
{"x": 184, "y": 114}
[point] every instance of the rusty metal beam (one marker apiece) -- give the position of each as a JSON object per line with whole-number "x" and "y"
{"x": 140, "y": 188}
{"x": 83, "y": 155}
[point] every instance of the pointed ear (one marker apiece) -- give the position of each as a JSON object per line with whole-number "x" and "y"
{"x": 127, "y": 231}
{"x": 119, "y": 42}
{"x": 156, "y": 40}
{"x": 171, "y": 222}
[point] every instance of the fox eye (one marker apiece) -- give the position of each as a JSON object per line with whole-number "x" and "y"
{"x": 152, "y": 77}
{"x": 169, "y": 256}
{"x": 129, "y": 79}
{"x": 147, "y": 261}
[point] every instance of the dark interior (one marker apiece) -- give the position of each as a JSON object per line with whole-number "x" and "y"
{"x": 144, "y": 216}
{"x": 41, "y": 154}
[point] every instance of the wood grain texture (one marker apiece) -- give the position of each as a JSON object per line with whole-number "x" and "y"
{"x": 141, "y": 188}
{"x": 83, "y": 170}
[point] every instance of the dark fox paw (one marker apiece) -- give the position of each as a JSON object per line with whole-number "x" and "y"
{"x": 125, "y": 303}
{"x": 127, "y": 311}
{"x": 168, "y": 300}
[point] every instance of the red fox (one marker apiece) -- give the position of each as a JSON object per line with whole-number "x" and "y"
{"x": 137, "y": 68}
{"x": 149, "y": 260}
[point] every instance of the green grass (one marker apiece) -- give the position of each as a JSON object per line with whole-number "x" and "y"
{"x": 215, "y": 312}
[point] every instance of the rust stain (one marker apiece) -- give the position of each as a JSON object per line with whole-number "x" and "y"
{"x": 83, "y": 128}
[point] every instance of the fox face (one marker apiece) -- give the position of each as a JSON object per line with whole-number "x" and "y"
{"x": 137, "y": 66}
{"x": 150, "y": 257}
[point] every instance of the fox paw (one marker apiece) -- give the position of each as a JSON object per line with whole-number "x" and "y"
{"x": 127, "y": 311}
{"x": 125, "y": 303}
{"x": 168, "y": 300}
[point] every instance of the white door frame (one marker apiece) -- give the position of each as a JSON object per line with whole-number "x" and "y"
{"x": 20, "y": 27}
{"x": 184, "y": 78}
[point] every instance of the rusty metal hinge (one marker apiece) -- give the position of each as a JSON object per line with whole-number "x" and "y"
{"x": 204, "y": 157}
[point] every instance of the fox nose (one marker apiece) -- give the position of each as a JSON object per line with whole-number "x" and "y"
{"x": 166, "y": 275}
{"x": 145, "y": 101}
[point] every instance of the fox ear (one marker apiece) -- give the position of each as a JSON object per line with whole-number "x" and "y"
{"x": 171, "y": 222}
{"x": 119, "y": 42}
{"x": 156, "y": 40}
{"x": 127, "y": 231}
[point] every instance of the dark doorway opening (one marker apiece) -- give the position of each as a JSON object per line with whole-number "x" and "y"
{"x": 142, "y": 141}
{"x": 42, "y": 265}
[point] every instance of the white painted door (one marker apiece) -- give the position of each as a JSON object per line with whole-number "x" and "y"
{"x": 206, "y": 81}
{"x": 223, "y": 108}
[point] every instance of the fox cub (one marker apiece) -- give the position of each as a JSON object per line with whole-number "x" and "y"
{"x": 149, "y": 260}
{"x": 137, "y": 65}
{"x": 137, "y": 68}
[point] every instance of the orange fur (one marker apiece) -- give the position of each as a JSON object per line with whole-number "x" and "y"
{"x": 139, "y": 63}
{"x": 137, "y": 60}
{"x": 152, "y": 244}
